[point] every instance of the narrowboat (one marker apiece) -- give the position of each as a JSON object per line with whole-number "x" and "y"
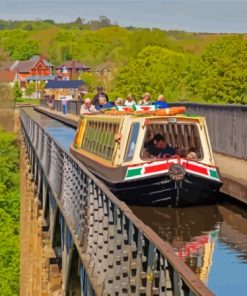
{"x": 126, "y": 150}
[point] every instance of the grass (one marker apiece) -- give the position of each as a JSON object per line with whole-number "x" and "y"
{"x": 28, "y": 101}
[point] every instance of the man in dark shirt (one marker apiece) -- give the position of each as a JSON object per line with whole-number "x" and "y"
{"x": 150, "y": 147}
{"x": 100, "y": 93}
{"x": 164, "y": 148}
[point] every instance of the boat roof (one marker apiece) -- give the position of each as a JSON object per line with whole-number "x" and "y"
{"x": 185, "y": 116}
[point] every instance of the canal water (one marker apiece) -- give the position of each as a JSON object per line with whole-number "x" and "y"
{"x": 211, "y": 240}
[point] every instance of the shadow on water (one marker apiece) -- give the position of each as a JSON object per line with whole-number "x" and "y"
{"x": 208, "y": 238}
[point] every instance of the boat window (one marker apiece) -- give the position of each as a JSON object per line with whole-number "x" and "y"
{"x": 132, "y": 141}
{"x": 184, "y": 139}
{"x": 100, "y": 138}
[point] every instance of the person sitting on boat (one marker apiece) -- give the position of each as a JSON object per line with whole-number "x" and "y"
{"x": 165, "y": 149}
{"x": 119, "y": 102}
{"x": 103, "y": 104}
{"x": 100, "y": 93}
{"x": 87, "y": 107}
{"x": 145, "y": 99}
{"x": 192, "y": 154}
{"x": 150, "y": 149}
{"x": 161, "y": 103}
{"x": 129, "y": 102}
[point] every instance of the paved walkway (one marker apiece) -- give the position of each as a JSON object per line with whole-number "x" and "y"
{"x": 233, "y": 171}
{"x": 234, "y": 175}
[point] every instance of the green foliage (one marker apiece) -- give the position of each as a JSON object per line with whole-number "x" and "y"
{"x": 183, "y": 66}
{"x": 28, "y": 101}
{"x": 9, "y": 215}
{"x": 156, "y": 70}
{"x": 224, "y": 71}
{"x": 25, "y": 51}
{"x": 17, "y": 93}
{"x": 30, "y": 89}
{"x": 91, "y": 80}
{"x": 18, "y": 45}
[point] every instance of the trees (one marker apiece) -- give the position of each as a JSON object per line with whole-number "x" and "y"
{"x": 26, "y": 50}
{"x": 155, "y": 69}
{"x": 17, "y": 44}
{"x": 9, "y": 215}
{"x": 17, "y": 93}
{"x": 224, "y": 71}
{"x": 30, "y": 89}
{"x": 215, "y": 74}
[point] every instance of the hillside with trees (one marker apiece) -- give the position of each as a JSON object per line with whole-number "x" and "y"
{"x": 183, "y": 66}
{"x": 9, "y": 215}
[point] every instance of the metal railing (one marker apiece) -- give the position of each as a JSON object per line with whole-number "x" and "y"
{"x": 119, "y": 254}
{"x": 227, "y": 126}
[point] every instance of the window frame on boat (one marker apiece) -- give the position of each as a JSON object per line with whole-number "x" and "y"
{"x": 99, "y": 137}
{"x": 132, "y": 140}
{"x": 174, "y": 139}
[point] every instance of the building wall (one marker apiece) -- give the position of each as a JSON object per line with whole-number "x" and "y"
{"x": 61, "y": 92}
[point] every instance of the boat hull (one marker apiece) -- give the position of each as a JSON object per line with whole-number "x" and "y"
{"x": 158, "y": 190}
{"x": 162, "y": 191}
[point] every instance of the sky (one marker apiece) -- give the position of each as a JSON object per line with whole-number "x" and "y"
{"x": 220, "y": 16}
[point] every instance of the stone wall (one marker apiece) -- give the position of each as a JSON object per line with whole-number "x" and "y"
{"x": 37, "y": 276}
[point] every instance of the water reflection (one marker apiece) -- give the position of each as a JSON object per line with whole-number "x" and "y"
{"x": 191, "y": 231}
{"x": 233, "y": 231}
{"x": 207, "y": 238}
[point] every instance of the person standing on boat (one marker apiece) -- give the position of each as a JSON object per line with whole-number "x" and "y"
{"x": 99, "y": 94}
{"x": 103, "y": 104}
{"x": 87, "y": 107}
{"x": 161, "y": 103}
{"x": 129, "y": 102}
{"x": 145, "y": 99}
{"x": 165, "y": 149}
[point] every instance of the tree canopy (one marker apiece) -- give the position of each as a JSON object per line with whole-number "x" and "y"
{"x": 9, "y": 215}
{"x": 181, "y": 65}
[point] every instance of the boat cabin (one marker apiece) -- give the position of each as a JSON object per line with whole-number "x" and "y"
{"x": 149, "y": 159}
{"x": 126, "y": 139}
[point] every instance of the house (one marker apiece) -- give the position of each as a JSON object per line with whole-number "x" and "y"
{"x": 8, "y": 77}
{"x": 72, "y": 89}
{"x": 5, "y": 66}
{"x": 71, "y": 70}
{"x": 35, "y": 67}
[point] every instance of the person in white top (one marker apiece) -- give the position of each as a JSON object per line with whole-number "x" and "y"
{"x": 87, "y": 107}
{"x": 145, "y": 99}
{"x": 129, "y": 102}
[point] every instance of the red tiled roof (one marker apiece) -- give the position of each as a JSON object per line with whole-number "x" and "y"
{"x": 24, "y": 66}
{"x": 7, "y": 76}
